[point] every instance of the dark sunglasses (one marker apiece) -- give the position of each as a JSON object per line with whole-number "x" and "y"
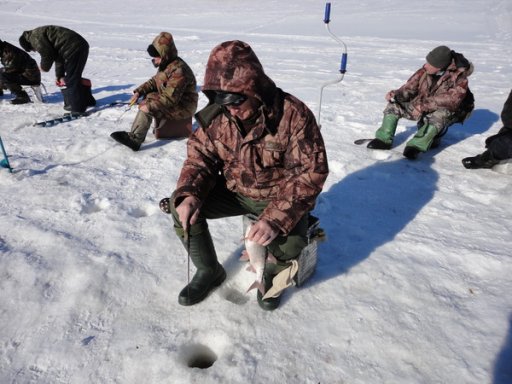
{"x": 228, "y": 98}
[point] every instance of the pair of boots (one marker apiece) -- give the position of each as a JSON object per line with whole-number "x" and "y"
{"x": 422, "y": 141}
{"x": 210, "y": 274}
{"x": 137, "y": 135}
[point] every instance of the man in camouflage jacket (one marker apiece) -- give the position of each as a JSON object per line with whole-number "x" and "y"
{"x": 259, "y": 151}
{"x": 69, "y": 51}
{"x": 19, "y": 69}
{"x": 169, "y": 96}
{"x": 498, "y": 146}
{"x": 436, "y": 96}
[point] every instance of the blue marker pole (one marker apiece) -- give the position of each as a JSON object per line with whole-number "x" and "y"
{"x": 327, "y": 13}
{"x": 343, "y": 62}
{"x": 5, "y": 162}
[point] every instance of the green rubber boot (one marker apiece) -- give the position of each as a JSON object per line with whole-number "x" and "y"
{"x": 385, "y": 134}
{"x": 209, "y": 273}
{"x": 271, "y": 270}
{"x": 421, "y": 142}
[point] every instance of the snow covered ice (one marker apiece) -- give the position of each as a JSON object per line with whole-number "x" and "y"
{"x": 412, "y": 285}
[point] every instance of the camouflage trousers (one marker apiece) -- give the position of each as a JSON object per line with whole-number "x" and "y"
{"x": 223, "y": 203}
{"x": 142, "y": 123}
{"x": 441, "y": 119}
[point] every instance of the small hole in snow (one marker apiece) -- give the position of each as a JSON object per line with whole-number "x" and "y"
{"x": 199, "y": 356}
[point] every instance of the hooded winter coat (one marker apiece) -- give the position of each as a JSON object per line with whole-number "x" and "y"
{"x": 281, "y": 159}
{"x": 172, "y": 92}
{"x": 55, "y": 45}
{"x": 17, "y": 61}
{"x": 428, "y": 93}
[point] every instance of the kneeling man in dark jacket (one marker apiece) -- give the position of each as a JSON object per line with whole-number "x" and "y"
{"x": 18, "y": 69}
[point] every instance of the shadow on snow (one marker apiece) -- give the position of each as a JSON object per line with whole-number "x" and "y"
{"x": 56, "y": 97}
{"x": 369, "y": 207}
{"x": 503, "y": 364}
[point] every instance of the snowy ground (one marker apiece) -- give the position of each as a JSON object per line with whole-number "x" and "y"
{"x": 412, "y": 286}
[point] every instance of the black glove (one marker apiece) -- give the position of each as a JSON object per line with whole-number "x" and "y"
{"x": 399, "y": 98}
{"x": 165, "y": 205}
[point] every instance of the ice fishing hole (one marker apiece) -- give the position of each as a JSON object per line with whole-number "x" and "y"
{"x": 199, "y": 356}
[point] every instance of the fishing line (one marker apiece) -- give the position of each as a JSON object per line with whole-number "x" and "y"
{"x": 118, "y": 120}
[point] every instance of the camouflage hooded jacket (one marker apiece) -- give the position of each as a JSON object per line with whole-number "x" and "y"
{"x": 55, "y": 44}
{"x": 281, "y": 159}
{"x": 428, "y": 93}
{"x": 15, "y": 60}
{"x": 171, "y": 93}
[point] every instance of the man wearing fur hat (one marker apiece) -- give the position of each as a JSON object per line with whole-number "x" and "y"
{"x": 258, "y": 151}
{"x": 436, "y": 96}
{"x": 19, "y": 69}
{"x": 168, "y": 97}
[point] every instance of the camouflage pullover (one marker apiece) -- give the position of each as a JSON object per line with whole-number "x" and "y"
{"x": 55, "y": 44}
{"x": 280, "y": 159}
{"x": 428, "y": 93}
{"x": 17, "y": 61}
{"x": 171, "y": 93}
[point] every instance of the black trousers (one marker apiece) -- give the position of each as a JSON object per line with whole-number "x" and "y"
{"x": 14, "y": 81}
{"x": 74, "y": 66}
{"x": 500, "y": 145}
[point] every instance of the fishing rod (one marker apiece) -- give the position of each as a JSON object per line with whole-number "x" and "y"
{"x": 128, "y": 107}
{"x": 343, "y": 62}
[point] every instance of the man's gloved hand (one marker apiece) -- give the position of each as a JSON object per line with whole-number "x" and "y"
{"x": 414, "y": 109}
{"x": 394, "y": 97}
{"x": 398, "y": 98}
